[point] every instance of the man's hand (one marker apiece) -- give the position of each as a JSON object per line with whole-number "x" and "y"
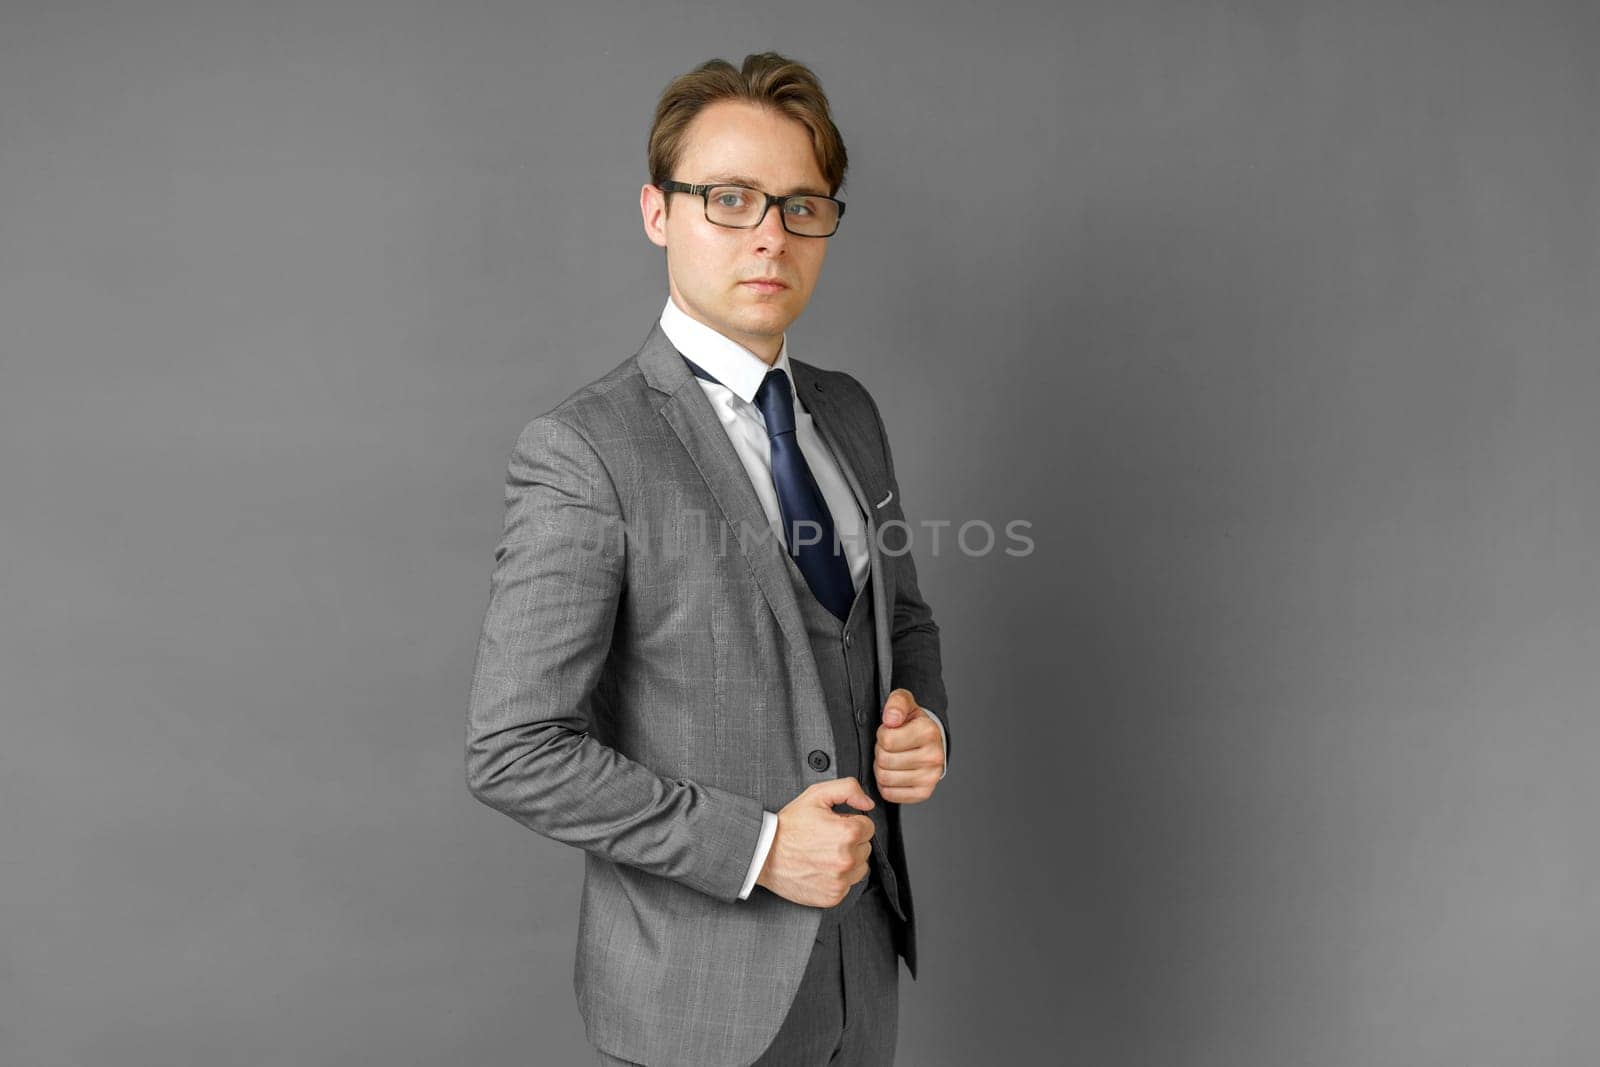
{"x": 908, "y": 757}
{"x": 818, "y": 854}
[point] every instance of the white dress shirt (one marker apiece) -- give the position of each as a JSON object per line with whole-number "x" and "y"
{"x": 739, "y": 373}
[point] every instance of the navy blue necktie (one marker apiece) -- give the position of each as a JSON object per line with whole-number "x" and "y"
{"x": 799, "y": 499}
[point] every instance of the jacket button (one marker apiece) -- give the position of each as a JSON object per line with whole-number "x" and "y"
{"x": 846, "y": 640}
{"x": 818, "y": 760}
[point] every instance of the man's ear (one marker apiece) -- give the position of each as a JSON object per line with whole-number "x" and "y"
{"x": 653, "y": 209}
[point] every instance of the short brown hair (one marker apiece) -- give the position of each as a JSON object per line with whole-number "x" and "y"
{"x": 767, "y": 79}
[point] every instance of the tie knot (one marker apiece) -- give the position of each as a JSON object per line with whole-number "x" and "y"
{"x": 776, "y": 403}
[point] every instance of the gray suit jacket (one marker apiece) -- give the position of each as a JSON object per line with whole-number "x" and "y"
{"x": 644, "y": 693}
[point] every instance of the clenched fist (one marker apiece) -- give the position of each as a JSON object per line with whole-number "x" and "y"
{"x": 908, "y": 758}
{"x": 818, "y": 854}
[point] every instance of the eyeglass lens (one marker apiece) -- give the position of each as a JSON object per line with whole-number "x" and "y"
{"x": 734, "y": 205}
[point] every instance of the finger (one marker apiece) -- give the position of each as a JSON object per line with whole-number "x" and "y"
{"x": 900, "y": 708}
{"x": 924, "y": 755}
{"x": 896, "y": 795}
{"x": 841, "y": 791}
{"x": 920, "y": 733}
{"x": 913, "y": 778}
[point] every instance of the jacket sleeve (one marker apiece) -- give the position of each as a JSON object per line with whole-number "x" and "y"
{"x": 553, "y": 600}
{"x": 914, "y": 636}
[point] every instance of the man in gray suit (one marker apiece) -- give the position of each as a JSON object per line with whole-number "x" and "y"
{"x": 705, "y": 660}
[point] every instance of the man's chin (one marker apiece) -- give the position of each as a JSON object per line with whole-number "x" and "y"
{"x": 769, "y": 316}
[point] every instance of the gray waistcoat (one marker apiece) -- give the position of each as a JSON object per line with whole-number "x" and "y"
{"x": 847, "y": 664}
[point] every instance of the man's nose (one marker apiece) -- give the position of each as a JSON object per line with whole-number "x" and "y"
{"x": 770, "y": 229}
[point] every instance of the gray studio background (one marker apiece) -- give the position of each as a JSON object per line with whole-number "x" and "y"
{"x": 1277, "y": 321}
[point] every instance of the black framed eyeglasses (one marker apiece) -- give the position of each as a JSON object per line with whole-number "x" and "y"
{"x": 741, "y": 208}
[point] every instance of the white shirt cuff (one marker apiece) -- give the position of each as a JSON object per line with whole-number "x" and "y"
{"x": 942, "y": 740}
{"x": 769, "y": 830}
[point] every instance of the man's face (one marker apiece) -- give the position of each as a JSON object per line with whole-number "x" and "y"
{"x": 708, "y": 266}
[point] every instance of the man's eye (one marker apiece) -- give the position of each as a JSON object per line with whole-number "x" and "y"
{"x": 801, "y": 207}
{"x": 730, "y": 199}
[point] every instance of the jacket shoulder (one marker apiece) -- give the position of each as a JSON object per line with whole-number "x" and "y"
{"x": 616, "y": 397}
{"x": 609, "y": 420}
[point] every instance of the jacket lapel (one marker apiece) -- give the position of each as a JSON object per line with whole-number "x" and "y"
{"x": 829, "y": 420}
{"x": 689, "y": 413}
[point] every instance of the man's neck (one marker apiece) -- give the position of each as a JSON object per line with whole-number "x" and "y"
{"x": 764, "y": 349}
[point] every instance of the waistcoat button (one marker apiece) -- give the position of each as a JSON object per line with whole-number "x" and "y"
{"x": 818, "y": 760}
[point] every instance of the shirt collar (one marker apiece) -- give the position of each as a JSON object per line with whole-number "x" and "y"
{"x": 729, "y": 362}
